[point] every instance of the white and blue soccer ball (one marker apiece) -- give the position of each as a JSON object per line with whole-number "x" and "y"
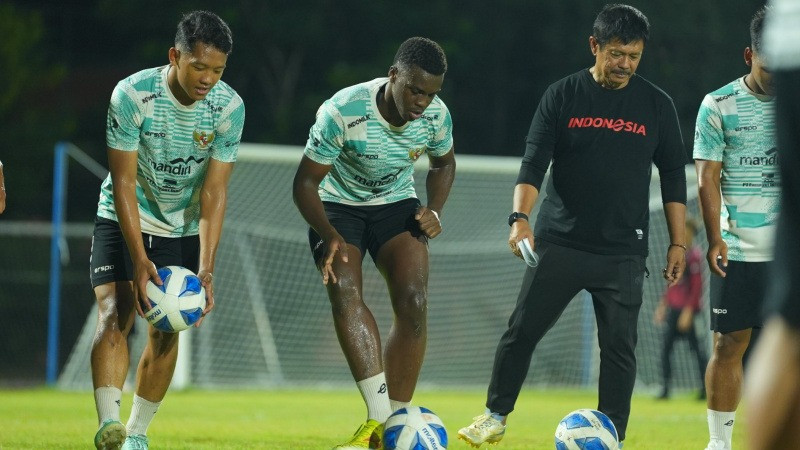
{"x": 414, "y": 428}
{"x": 586, "y": 429}
{"x": 178, "y": 303}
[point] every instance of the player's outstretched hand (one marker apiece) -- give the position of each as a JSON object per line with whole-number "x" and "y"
{"x": 207, "y": 279}
{"x": 333, "y": 243}
{"x": 676, "y": 264}
{"x": 717, "y": 257}
{"x": 143, "y": 271}
{"x": 428, "y": 220}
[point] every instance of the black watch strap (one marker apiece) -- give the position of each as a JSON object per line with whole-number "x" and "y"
{"x": 516, "y": 216}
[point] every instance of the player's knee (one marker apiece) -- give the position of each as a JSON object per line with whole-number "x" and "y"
{"x": 412, "y": 308}
{"x": 620, "y": 339}
{"x": 162, "y": 342}
{"x": 113, "y": 319}
{"x": 731, "y": 346}
{"x": 346, "y": 305}
{"x": 345, "y": 299}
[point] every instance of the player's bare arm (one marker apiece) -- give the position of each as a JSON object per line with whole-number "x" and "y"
{"x": 304, "y": 192}
{"x": 441, "y": 173}
{"x": 213, "y": 199}
{"x": 525, "y": 196}
{"x": 708, "y": 181}
{"x": 122, "y": 166}
{"x": 675, "y": 213}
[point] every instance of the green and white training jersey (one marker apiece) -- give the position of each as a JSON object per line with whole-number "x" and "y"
{"x": 372, "y": 160}
{"x": 174, "y": 144}
{"x": 737, "y": 126}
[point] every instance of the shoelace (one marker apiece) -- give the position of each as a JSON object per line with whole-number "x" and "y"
{"x": 483, "y": 421}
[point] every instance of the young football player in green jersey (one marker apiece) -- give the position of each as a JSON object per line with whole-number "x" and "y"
{"x": 355, "y": 188}
{"x": 173, "y": 135}
{"x": 739, "y": 188}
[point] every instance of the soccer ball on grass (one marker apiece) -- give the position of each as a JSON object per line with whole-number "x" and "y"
{"x": 414, "y": 428}
{"x": 586, "y": 429}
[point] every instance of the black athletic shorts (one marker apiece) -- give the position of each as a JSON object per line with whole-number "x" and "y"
{"x": 368, "y": 227}
{"x": 737, "y": 300}
{"x": 110, "y": 260}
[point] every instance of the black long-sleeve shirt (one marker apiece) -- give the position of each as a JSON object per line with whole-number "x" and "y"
{"x": 602, "y": 143}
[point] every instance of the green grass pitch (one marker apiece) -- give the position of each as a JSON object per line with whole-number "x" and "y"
{"x": 310, "y": 419}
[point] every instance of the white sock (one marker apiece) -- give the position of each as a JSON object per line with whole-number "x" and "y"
{"x": 396, "y": 404}
{"x": 495, "y": 416}
{"x": 141, "y": 415}
{"x": 376, "y": 396}
{"x": 720, "y": 426}
{"x": 107, "y": 400}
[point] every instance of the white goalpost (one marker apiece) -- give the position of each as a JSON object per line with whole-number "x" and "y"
{"x": 272, "y": 324}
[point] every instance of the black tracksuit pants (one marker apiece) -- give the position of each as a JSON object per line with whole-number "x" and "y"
{"x": 670, "y": 336}
{"x": 615, "y": 284}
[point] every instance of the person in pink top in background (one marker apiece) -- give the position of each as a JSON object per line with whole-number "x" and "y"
{"x": 677, "y": 309}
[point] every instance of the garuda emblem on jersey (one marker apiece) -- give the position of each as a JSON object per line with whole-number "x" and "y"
{"x": 202, "y": 140}
{"x": 415, "y": 153}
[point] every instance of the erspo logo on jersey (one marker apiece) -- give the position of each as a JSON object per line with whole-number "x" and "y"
{"x": 612, "y": 124}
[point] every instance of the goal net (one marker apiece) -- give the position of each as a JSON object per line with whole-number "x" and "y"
{"x": 272, "y": 325}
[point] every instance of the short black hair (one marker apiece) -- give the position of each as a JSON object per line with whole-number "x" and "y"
{"x": 756, "y": 28}
{"x": 422, "y": 52}
{"x": 623, "y": 22}
{"x": 205, "y": 27}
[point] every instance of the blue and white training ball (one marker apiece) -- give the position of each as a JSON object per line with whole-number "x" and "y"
{"x": 414, "y": 428}
{"x": 586, "y": 429}
{"x": 178, "y": 303}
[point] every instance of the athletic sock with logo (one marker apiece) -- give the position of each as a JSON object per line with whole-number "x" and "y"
{"x": 107, "y": 400}
{"x": 396, "y": 405}
{"x": 141, "y": 415}
{"x": 720, "y": 426}
{"x": 376, "y": 396}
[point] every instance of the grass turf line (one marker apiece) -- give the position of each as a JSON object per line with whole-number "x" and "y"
{"x": 319, "y": 419}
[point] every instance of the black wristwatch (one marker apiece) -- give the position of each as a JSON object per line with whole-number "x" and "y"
{"x": 514, "y": 216}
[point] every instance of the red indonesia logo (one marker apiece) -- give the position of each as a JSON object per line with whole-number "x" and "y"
{"x": 612, "y": 124}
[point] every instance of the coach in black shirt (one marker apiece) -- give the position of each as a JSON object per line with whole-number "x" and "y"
{"x": 602, "y": 128}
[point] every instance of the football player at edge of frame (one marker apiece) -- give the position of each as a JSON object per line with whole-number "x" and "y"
{"x": 739, "y": 192}
{"x": 173, "y": 135}
{"x": 772, "y": 393}
{"x": 355, "y": 189}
